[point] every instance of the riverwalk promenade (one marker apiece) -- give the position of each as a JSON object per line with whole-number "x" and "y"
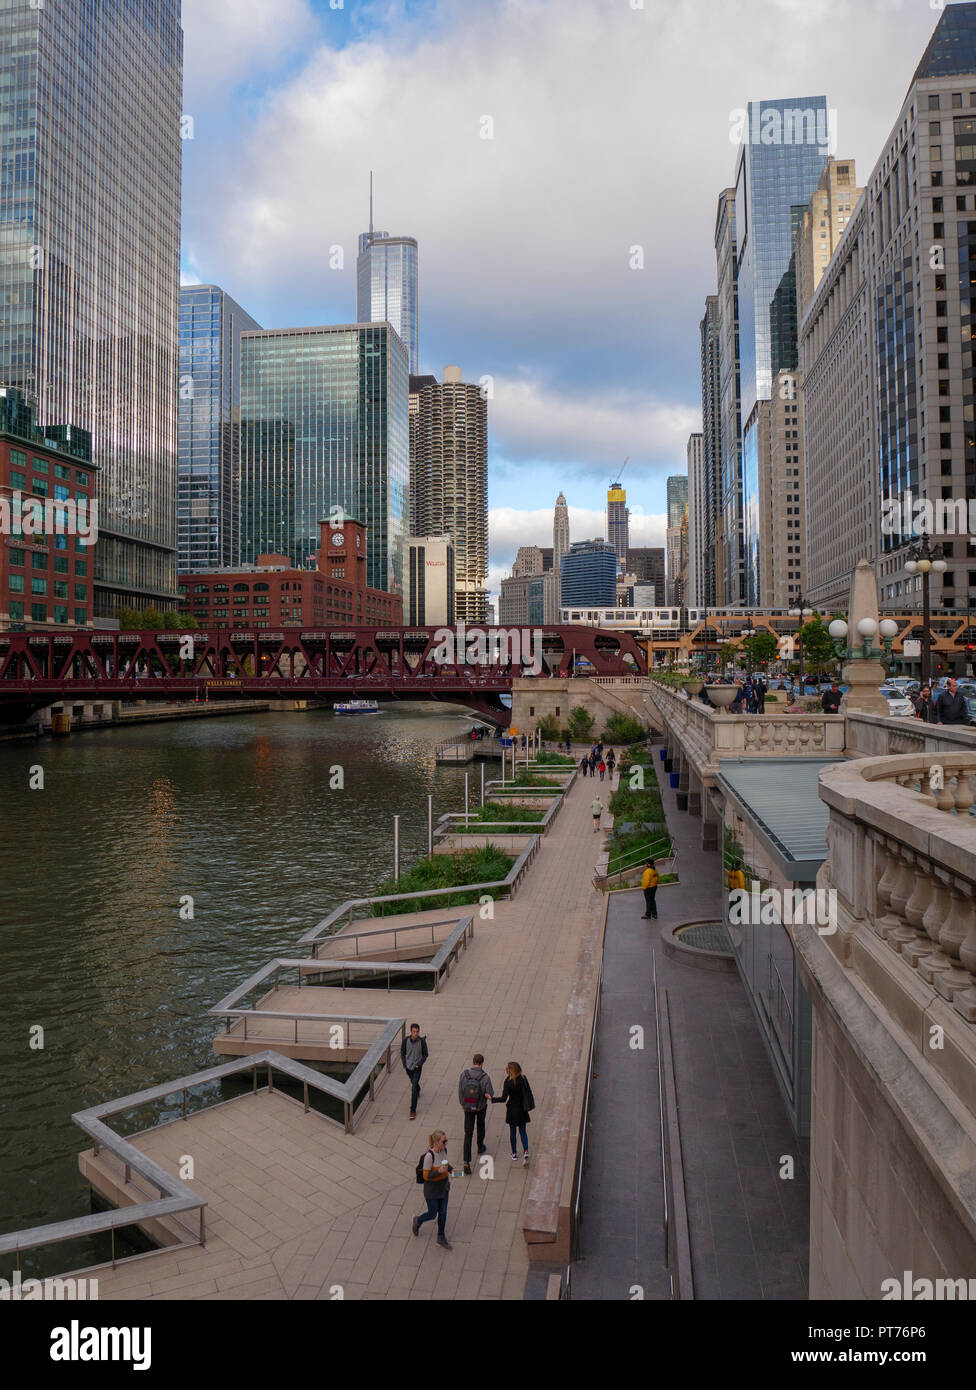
{"x": 296, "y": 1208}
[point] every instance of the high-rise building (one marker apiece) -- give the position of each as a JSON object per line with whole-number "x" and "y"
{"x": 695, "y": 589}
{"x": 646, "y": 564}
{"x": 429, "y": 597}
{"x": 208, "y": 498}
{"x": 589, "y": 574}
{"x": 528, "y": 598}
{"x": 783, "y": 154}
{"x": 729, "y": 583}
{"x": 886, "y": 348}
{"x": 560, "y": 542}
{"x": 823, "y": 223}
{"x": 387, "y": 284}
{"x": 710, "y": 538}
{"x": 324, "y": 428}
{"x": 450, "y": 475}
{"x": 618, "y": 520}
{"x": 89, "y": 270}
{"x": 781, "y": 494}
{"x": 677, "y": 498}
{"x": 417, "y": 384}
{"x": 527, "y": 561}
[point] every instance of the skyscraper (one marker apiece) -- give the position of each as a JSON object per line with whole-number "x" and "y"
{"x": 589, "y": 574}
{"x": 89, "y": 259}
{"x": 208, "y": 503}
{"x": 618, "y": 520}
{"x": 324, "y": 428}
{"x": 449, "y": 472}
{"x": 784, "y": 149}
{"x": 560, "y": 542}
{"x": 694, "y": 592}
{"x": 711, "y": 529}
{"x": 677, "y": 498}
{"x": 387, "y": 284}
{"x": 729, "y": 586}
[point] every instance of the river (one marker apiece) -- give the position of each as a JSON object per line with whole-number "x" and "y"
{"x": 238, "y": 813}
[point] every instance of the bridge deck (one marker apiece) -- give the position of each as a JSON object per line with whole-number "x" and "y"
{"x": 296, "y": 1206}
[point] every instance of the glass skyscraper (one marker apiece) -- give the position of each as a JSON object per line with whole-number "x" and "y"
{"x": 785, "y": 147}
{"x": 90, "y": 110}
{"x": 324, "y": 427}
{"x": 589, "y": 575}
{"x": 208, "y": 502}
{"x": 386, "y": 286}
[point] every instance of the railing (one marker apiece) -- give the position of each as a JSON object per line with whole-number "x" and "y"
{"x": 577, "y": 1251}
{"x": 618, "y": 680}
{"x": 946, "y": 778}
{"x": 331, "y": 924}
{"x": 661, "y": 848}
{"x": 175, "y": 1196}
{"x": 459, "y": 741}
{"x": 448, "y": 823}
{"x": 917, "y": 887}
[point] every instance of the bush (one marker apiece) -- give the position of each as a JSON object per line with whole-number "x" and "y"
{"x": 485, "y": 865}
{"x": 622, "y": 728}
{"x": 498, "y": 811}
{"x": 580, "y": 725}
{"x": 550, "y": 729}
{"x": 546, "y": 759}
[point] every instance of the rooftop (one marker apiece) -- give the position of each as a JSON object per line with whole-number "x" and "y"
{"x": 793, "y": 819}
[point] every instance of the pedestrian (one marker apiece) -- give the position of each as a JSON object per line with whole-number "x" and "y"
{"x": 596, "y": 806}
{"x": 611, "y": 761}
{"x": 830, "y": 699}
{"x": 649, "y": 881}
{"x": 761, "y": 689}
{"x": 518, "y": 1098}
{"x": 951, "y": 706}
{"x": 584, "y": 764}
{"x": 474, "y": 1090}
{"x": 925, "y": 707}
{"x": 749, "y": 695}
{"x": 603, "y": 770}
{"x": 593, "y": 763}
{"x": 413, "y": 1055}
{"x": 437, "y": 1173}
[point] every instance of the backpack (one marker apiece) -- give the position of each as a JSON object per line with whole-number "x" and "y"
{"x": 420, "y": 1165}
{"x": 472, "y": 1093}
{"x": 527, "y": 1095}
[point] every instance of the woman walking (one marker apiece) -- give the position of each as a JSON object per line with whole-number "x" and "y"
{"x": 603, "y": 769}
{"x": 584, "y": 765}
{"x": 518, "y": 1098}
{"x": 437, "y": 1186}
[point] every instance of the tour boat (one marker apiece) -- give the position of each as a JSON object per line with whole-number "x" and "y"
{"x": 356, "y": 707}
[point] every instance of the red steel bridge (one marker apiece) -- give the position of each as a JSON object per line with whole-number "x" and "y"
{"x": 43, "y": 667}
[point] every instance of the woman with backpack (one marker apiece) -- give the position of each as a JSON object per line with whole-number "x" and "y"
{"x": 434, "y": 1172}
{"x": 519, "y": 1100}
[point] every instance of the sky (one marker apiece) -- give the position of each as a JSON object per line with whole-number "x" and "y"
{"x": 558, "y": 161}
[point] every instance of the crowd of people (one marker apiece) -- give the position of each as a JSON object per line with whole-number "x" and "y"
{"x": 596, "y": 763}
{"x": 475, "y": 1093}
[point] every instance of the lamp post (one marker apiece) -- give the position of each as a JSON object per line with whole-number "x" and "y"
{"x": 923, "y": 559}
{"x": 745, "y": 634}
{"x": 802, "y": 612}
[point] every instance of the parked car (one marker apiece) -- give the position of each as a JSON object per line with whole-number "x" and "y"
{"x": 905, "y": 684}
{"x": 970, "y": 708}
{"x": 898, "y": 703}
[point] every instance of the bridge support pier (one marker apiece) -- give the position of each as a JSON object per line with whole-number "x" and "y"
{"x": 711, "y": 822}
{"x": 683, "y": 782}
{"x": 694, "y": 794}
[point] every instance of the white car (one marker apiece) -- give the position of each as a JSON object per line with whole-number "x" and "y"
{"x": 898, "y": 703}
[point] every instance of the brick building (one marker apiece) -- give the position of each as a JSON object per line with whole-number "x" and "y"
{"x": 273, "y": 593}
{"x": 48, "y": 521}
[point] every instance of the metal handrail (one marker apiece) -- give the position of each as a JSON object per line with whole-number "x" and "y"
{"x": 577, "y": 1196}
{"x": 640, "y": 851}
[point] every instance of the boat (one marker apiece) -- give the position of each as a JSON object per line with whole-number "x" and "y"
{"x": 356, "y": 707}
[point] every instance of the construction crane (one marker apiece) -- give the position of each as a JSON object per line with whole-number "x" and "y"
{"x": 621, "y": 473}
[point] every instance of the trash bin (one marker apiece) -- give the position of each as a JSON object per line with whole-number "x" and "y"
{"x": 674, "y": 780}
{"x": 663, "y": 753}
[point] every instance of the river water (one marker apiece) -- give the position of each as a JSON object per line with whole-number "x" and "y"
{"x": 235, "y": 811}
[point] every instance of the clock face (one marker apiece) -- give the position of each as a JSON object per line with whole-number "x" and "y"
{"x": 357, "y": 540}
{"x": 338, "y": 538}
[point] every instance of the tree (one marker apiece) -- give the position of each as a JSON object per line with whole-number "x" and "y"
{"x": 818, "y": 646}
{"x": 151, "y": 620}
{"x": 727, "y": 653}
{"x": 758, "y": 648}
{"x": 128, "y": 619}
{"x": 580, "y": 725}
{"x": 549, "y": 728}
{"x": 173, "y": 621}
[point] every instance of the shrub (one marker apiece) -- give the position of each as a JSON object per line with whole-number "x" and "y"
{"x": 622, "y": 728}
{"x": 485, "y": 865}
{"x": 580, "y": 724}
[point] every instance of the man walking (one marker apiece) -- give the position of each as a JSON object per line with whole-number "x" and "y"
{"x": 474, "y": 1089}
{"x": 830, "y": 699}
{"x": 649, "y": 881}
{"x": 951, "y": 706}
{"x": 596, "y": 806}
{"x": 413, "y": 1055}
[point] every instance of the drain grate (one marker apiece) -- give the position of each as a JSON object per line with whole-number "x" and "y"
{"x": 706, "y": 936}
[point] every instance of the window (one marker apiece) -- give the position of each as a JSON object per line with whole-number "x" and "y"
{"x": 16, "y": 611}
{"x": 41, "y": 466}
{"x": 81, "y": 616}
{"x": 38, "y": 612}
{"x": 38, "y": 562}
{"x": 60, "y": 564}
{"x": 61, "y": 589}
{"x": 81, "y": 567}
{"x": 38, "y": 586}
{"x": 81, "y": 592}
{"x": 242, "y": 588}
{"x": 60, "y": 613}
{"x": 61, "y": 492}
{"x": 17, "y": 459}
{"x": 16, "y": 557}
{"x": 18, "y": 479}
{"x": 82, "y": 479}
{"x": 221, "y": 589}
{"x": 16, "y": 583}
{"x": 936, "y": 178}
{"x": 61, "y": 472}
{"x": 934, "y": 105}
{"x": 39, "y": 486}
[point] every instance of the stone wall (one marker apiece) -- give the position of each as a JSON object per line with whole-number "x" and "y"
{"x": 534, "y": 698}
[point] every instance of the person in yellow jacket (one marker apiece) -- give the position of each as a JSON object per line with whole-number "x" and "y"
{"x": 649, "y": 881}
{"x": 737, "y": 879}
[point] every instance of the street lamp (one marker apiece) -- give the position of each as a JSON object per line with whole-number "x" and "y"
{"x": 803, "y": 613}
{"x": 745, "y": 634}
{"x": 923, "y": 559}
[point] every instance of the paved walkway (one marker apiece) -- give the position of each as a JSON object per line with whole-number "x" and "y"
{"x": 297, "y": 1208}
{"x": 749, "y": 1228}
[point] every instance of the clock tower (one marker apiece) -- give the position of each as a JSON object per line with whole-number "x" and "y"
{"x": 342, "y": 550}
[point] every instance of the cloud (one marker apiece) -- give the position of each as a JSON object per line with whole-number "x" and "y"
{"x": 225, "y": 42}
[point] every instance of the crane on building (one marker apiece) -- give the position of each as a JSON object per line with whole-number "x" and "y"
{"x": 621, "y": 473}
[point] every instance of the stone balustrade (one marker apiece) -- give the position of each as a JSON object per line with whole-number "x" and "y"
{"x": 903, "y": 862}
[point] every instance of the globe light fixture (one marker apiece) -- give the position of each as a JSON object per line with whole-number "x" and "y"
{"x": 867, "y": 627}
{"x": 838, "y": 629}
{"x": 924, "y": 559}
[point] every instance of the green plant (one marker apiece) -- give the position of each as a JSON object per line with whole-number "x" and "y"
{"x": 580, "y": 725}
{"x": 623, "y": 728}
{"x": 546, "y": 759}
{"x": 818, "y": 646}
{"x": 758, "y": 648}
{"x": 550, "y": 728}
{"x": 487, "y": 864}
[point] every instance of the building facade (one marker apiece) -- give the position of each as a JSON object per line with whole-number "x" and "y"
{"x": 822, "y": 225}
{"x": 560, "y": 542}
{"x": 695, "y": 587}
{"x": 729, "y": 590}
{"x": 274, "y": 593}
{"x": 324, "y": 429}
{"x": 429, "y": 599}
{"x": 89, "y": 276}
{"x": 208, "y": 496}
{"x": 589, "y": 574}
{"x": 711, "y": 529}
{"x": 48, "y": 521}
{"x": 449, "y": 474}
{"x": 646, "y": 564}
{"x": 388, "y": 287}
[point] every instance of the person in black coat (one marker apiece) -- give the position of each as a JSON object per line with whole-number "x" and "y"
{"x": 517, "y": 1095}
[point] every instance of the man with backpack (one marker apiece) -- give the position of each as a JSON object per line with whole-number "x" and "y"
{"x": 474, "y": 1090}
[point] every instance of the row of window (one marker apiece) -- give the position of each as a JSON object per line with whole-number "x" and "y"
{"x": 17, "y": 585}
{"x": 18, "y": 459}
{"x": 39, "y": 613}
{"x": 39, "y": 561}
{"x": 40, "y": 487}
